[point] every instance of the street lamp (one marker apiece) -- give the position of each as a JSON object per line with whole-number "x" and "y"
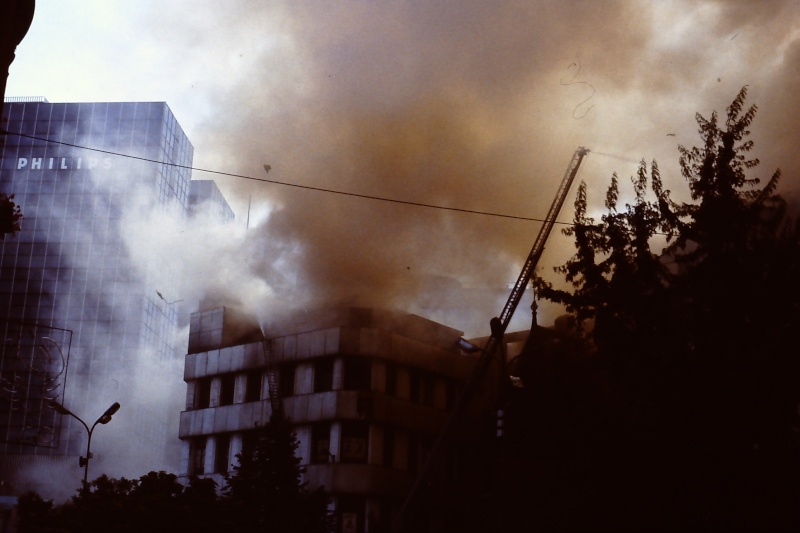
{"x": 104, "y": 419}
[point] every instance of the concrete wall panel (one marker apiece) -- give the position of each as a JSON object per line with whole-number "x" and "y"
{"x": 212, "y": 366}
{"x": 332, "y": 340}
{"x": 201, "y": 364}
{"x": 304, "y": 379}
{"x": 303, "y": 345}
{"x": 239, "y": 388}
{"x": 317, "y": 343}
{"x": 207, "y": 420}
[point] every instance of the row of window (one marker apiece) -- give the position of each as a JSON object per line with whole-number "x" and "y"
{"x": 357, "y": 376}
{"x": 99, "y": 111}
{"x": 354, "y": 444}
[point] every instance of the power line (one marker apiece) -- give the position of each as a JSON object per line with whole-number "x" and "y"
{"x": 298, "y": 186}
{"x": 286, "y": 184}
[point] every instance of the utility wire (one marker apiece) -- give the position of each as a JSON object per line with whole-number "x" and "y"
{"x": 287, "y": 184}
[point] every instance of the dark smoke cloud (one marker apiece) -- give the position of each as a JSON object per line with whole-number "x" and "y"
{"x": 463, "y": 104}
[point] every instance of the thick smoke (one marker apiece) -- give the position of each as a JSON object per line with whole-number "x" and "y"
{"x": 465, "y": 104}
{"x": 476, "y": 105}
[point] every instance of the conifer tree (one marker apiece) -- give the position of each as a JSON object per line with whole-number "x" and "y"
{"x": 266, "y": 489}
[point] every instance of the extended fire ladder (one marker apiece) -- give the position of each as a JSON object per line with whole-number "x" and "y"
{"x": 498, "y": 327}
{"x": 275, "y": 397}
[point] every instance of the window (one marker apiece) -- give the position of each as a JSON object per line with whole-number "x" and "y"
{"x": 391, "y": 379}
{"x": 413, "y": 452}
{"x": 414, "y": 386}
{"x": 253, "y": 386}
{"x": 222, "y": 453}
{"x": 425, "y": 445}
{"x": 320, "y": 443}
{"x": 323, "y": 375}
{"x": 228, "y": 382}
{"x": 428, "y": 387}
{"x": 357, "y": 374}
{"x": 388, "y": 446}
{"x": 450, "y": 395}
{"x": 355, "y": 442}
{"x": 351, "y": 510}
{"x": 286, "y": 376}
{"x": 202, "y": 393}
{"x": 197, "y": 456}
{"x": 249, "y": 442}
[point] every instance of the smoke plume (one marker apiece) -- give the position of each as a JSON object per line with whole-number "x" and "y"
{"x": 462, "y": 104}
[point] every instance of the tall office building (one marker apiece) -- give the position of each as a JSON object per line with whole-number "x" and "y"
{"x": 82, "y": 325}
{"x": 205, "y": 196}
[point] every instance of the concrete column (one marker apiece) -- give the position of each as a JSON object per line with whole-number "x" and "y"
{"x": 403, "y": 383}
{"x": 216, "y": 385}
{"x": 439, "y": 394}
{"x": 208, "y": 464}
{"x": 401, "y": 450}
{"x": 264, "y": 386}
{"x": 304, "y": 379}
{"x": 336, "y": 433}
{"x": 185, "y": 453}
{"x": 373, "y": 519}
{"x": 236, "y": 447}
{"x": 379, "y": 376}
{"x": 239, "y": 386}
{"x": 190, "y": 390}
{"x": 338, "y": 373}
{"x": 375, "y": 445}
{"x": 304, "y": 448}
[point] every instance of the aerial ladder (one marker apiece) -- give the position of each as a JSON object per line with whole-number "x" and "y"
{"x": 493, "y": 345}
{"x": 275, "y": 397}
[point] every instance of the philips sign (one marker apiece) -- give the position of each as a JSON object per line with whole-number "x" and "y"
{"x": 63, "y": 163}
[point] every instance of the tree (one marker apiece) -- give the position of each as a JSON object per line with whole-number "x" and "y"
{"x": 10, "y": 215}
{"x": 155, "y": 502}
{"x": 266, "y": 491}
{"x": 694, "y": 307}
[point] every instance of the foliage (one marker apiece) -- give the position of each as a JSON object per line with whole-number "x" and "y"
{"x": 10, "y": 215}
{"x": 266, "y": 487}
{"x": 155, "y": 502}
{"x": 693, "y": 310}
{"x": 264, "y": 493}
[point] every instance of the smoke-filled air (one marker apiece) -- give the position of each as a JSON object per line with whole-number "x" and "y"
{"x": 468, "y": 105}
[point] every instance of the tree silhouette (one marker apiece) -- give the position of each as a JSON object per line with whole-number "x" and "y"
{"x": 10, "y": 215}
{"x": 155, "y": 502}
{"x": 694, "y": 309}
{"x": 266, "y": 491}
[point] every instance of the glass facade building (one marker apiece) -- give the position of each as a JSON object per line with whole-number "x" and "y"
{"x": 69, "y": 270}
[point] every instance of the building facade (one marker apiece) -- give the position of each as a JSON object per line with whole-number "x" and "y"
{"x": 366, "y": 390}
{"x": 83, "y": 326}
{"x": 204, "y": 195}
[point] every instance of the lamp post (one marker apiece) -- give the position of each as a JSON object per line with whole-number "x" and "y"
{"x": 105, "y": 418}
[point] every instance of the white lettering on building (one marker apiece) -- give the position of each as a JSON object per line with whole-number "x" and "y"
{"x": 64, "y": 163}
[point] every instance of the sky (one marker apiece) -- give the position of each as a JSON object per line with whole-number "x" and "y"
{"x": 470, "y": 104}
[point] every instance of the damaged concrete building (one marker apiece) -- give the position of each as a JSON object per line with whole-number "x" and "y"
{"x": 367, "y": 391}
